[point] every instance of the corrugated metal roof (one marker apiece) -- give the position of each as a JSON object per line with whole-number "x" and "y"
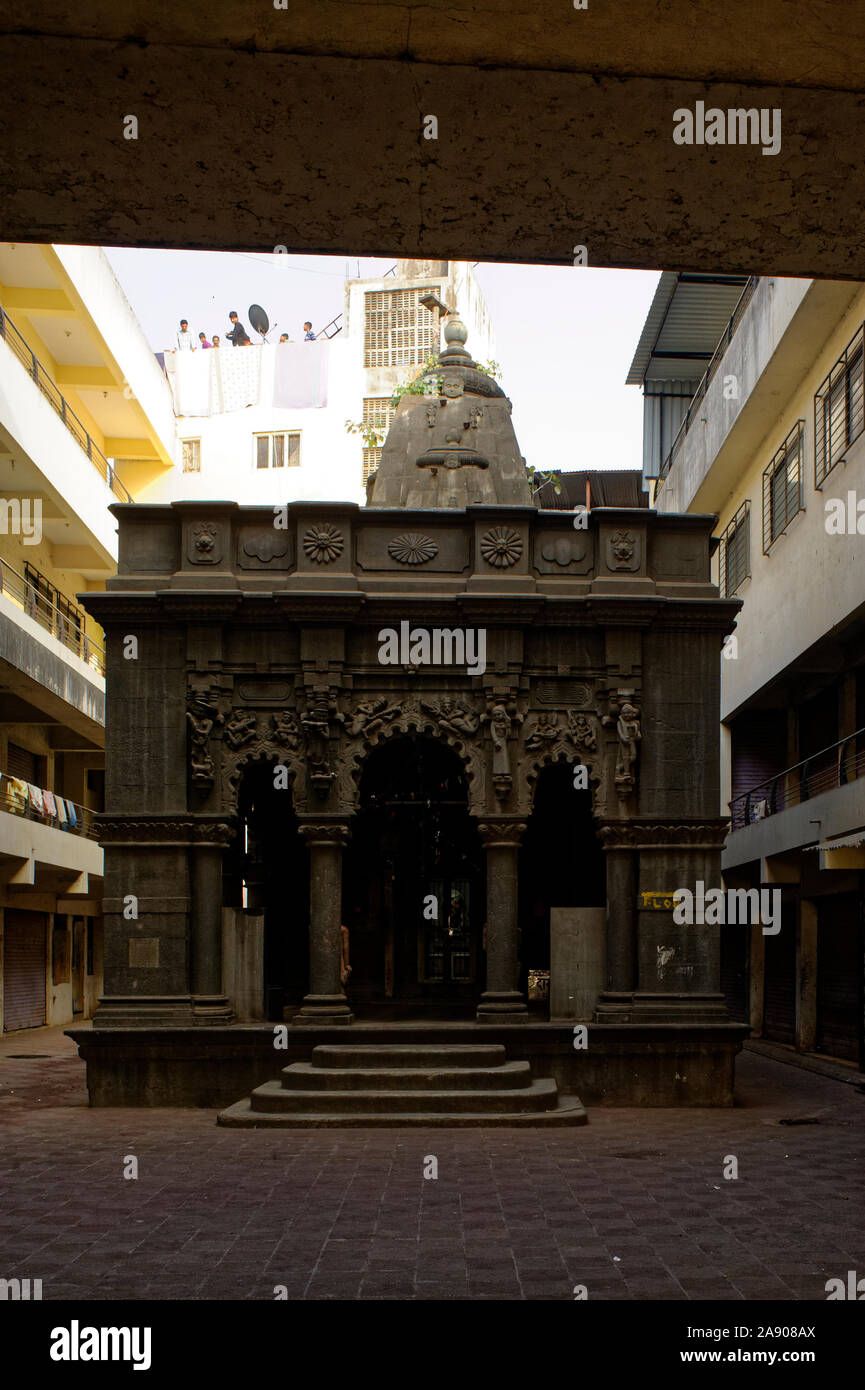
{"x": 684, "y": 324}
{"x": 610, "y": 487}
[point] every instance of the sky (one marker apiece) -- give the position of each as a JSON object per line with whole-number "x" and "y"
{"x": 565, "y": 335}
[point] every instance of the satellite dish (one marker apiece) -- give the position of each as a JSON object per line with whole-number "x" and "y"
{"x": 259, "y": 320}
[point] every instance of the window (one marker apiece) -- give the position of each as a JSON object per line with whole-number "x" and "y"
{"x": 398, "y": 330}
{"x": 191, "y": 455}
{"x": 782, "y": 487}
{"x": 277, "y": 450}
{"x": 734, "y": 557}
{"x": 838, "y": 409}
{"x": 377, "y": 412}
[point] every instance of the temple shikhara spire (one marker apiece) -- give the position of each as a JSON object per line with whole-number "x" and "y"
{"x": 455, "y": 445}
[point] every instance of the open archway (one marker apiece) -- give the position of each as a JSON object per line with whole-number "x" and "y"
{"x": 413, "y": 886}
{"x": 267, "y": 877}
{"x": 562, "y": 865}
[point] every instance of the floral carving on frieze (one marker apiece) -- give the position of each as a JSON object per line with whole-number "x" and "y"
{"x": 501, "y": 546}
{"x": 323, "y": 544}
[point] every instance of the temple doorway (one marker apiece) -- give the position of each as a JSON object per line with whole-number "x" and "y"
{"x": 267, "y": 876}
{"x": 413, "y": 886}
{"x": 561, "y": 864}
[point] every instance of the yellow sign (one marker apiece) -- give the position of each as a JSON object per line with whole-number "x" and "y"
{"x": 657, "y": 902}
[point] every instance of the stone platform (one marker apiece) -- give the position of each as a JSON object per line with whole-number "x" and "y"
{"x": 658, "y": 1064}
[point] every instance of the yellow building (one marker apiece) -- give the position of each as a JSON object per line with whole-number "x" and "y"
{"x": 85, "y": 420}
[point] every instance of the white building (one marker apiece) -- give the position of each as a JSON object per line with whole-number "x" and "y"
{"x": 267, "y": 423}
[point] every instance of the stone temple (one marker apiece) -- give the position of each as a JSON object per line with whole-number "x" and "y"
{"x": 417, "y": 781}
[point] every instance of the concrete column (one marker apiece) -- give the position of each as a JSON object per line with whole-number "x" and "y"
{"x": 806, "y": 977}
{"x": 757, "y": 980}
{"x": 209, "y": 1003}
{"x": 326, "y": 1002}
{"x": 502, "y": 1000}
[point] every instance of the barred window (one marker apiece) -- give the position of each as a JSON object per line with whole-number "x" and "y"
{"x": 378, "y": 411}
{"x": 734, "y": 556}
{"x": 191, "y": 455}
{"x": 398, "y": 330}
{"x": 280, "y": 450}
{"x": 782, "y": 487}
{"x": 839, "y": 409}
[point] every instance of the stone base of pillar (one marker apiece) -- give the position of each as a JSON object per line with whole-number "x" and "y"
{"x": 144, "y": 1011}
{"x": 211, "y": 1009}
{"x": 660, "y": 1008}
{"x": 507, "y": 1007}
{"x": 326, "y": 1009}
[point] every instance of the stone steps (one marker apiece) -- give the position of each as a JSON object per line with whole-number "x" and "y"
{"x": 305, "y": 1076}
{"x": 405, "y": 1085}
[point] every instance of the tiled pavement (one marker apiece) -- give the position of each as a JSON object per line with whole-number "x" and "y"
{"x": 634, "y": 1205}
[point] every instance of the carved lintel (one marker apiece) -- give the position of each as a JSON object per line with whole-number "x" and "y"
{"x": 633, "y": 834}
{"x": 164, "y": 830}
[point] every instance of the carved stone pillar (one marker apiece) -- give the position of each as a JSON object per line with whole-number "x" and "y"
{"x": 209, "y": 1003}
{"x": 617, "y": 838}
{"x": 502, "y": 1001}
{"x": 326, "y": 1002}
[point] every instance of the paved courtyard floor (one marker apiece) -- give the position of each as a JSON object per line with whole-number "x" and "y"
{"x": 634, "y": 1206}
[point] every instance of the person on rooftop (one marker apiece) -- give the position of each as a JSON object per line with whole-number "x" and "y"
{"x": 184, "y": 337}
{"x": 203, "y": 341}
{"x": 308, "y": 335}
{"x": 284, "y": 338}
{"x": 216, "y": 342}
{"x": 238, "y": 335}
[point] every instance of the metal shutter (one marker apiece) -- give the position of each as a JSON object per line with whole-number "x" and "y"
{"x": 838, "y": 976}
{"x": 24, "y": 966}
{"x": 735, "y": 961}
{"x": 20, "y": 762}
{"x": 779, "y": 1017}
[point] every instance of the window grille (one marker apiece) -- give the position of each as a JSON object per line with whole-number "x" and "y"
{"x": 191, "y": 455}
{"x": 734, "y": 556}
{"x": 839, "y": 409}
{"x": 378, "y": 411}
{"x": 398, "y": 330}
{"x": 782, "y": 487}
{"x": 280, "y": 450}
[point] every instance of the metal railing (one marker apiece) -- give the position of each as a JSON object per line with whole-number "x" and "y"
{"x": 832, "y": 767}
{"x": 15, "y": 798}
{"x": 55, "y": 398}
{"x": 697, "y": 398}
{"x": 49, "y": 616}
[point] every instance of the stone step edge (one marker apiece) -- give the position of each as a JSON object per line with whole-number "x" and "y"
{"x": 569, "y": 1112}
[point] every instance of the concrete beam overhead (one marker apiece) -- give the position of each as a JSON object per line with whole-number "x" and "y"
{"x": 541, "y": 149}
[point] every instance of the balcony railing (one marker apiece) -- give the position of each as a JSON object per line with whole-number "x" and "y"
{"x": 710, "y": 371}
{"x": 20, "y": 798}
{"x": 49, "y": 616}
{"x": 832, "y": 767}
{"x": 55, "y": 397}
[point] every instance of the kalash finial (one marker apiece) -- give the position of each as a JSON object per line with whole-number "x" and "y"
{"x": 454, "y": 353}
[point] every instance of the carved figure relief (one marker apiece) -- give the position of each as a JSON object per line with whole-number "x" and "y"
{"x": 450, "y": 714}
{"x": 626, "y": 717}
{"x": 581, "y": 731}
{"x": 286, "y": 730}
{"x": 369, "y": 716}
{"x": 240, "y": 727}
{"x": 545, "y": 732}
{"x": 202, "y": 716}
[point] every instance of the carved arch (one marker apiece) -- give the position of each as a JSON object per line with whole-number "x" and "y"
{"x": 561, "y": 752}
{"x": 235, "y": 764}
{"x": 356, "y": 754}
